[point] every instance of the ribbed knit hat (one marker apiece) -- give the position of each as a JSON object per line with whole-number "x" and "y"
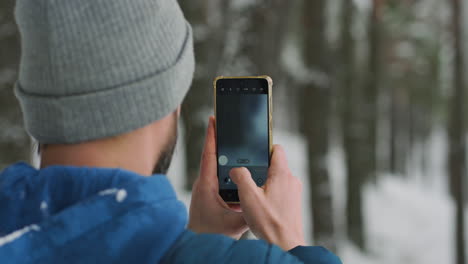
{"x": 97, "y": 68}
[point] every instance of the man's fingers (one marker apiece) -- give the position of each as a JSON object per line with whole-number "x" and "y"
{"x": 208, "y": 174}
{"x": 236, "y": 219}
{"x": 279, "y": 163}
{"x": 245, "y": 184}
{"x": 209, "y": 149}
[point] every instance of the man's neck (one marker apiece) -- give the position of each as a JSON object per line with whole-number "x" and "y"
{"x": 131, "y": 153}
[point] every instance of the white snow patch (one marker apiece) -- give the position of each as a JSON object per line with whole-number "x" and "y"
{"x": 405, "y": 50}
{"x": 363, "y": 4}
{"x": 44, "y": 206}
{"x": 296, "y": 68}
{"x": 406, "y": 219}
{"x": 121, "y": 195}
{"x": 405, "y": 223}
{"x": 17, "y": 234}
{"x": 242, "y": 4}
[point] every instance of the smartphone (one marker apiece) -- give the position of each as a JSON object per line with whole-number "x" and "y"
{"x": 243, "y": 111}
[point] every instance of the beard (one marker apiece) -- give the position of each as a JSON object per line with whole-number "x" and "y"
{"x": 165, "y": 157}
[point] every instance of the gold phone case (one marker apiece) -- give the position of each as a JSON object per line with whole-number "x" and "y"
{"x": 270, "y": 104}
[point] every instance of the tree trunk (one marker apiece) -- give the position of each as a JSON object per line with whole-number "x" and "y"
{"x": 399, "y": 127}
{"x": 393, "y": 131}
{"x": 269, "y": 23}
{"x": 13, "y": 139}
{"x": 353, "y": 130}
{"x": 457, "y": 150}
{"x": 371, "y": 93}
{"x": 315, "y": 112}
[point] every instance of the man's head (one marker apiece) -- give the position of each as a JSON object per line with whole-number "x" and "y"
{"x": 100, "y": 71}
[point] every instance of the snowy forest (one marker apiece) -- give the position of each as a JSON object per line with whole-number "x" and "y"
{"x": 368, "y": 102}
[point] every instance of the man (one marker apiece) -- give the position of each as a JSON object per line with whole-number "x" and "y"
{"x": 100, "y": 86}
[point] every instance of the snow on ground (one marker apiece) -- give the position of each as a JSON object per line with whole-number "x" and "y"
{"x": 408, "y": 218}
{"x": 406, "y": 221}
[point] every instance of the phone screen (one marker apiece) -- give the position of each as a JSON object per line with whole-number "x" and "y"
{"x": 242, "y": 130}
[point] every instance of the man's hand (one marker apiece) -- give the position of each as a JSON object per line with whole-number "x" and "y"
{"x": 208, "y": 212}
{"x": 273, "y": 212}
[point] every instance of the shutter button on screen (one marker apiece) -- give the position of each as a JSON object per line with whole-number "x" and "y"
{"x": 223, "y": 160}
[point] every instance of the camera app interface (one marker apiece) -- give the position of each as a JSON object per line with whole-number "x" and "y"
{"x": 242, "y": 129}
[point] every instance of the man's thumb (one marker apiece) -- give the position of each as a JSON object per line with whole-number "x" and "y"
{"x": 243, "y": 179}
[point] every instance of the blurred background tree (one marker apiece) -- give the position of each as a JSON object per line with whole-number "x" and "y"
{"x": 353, "y": 128}
{"x": 14, "y": 142}
{"x": 314, "y": 111}
{"x": 457, "y": 134}
{"x": 368, "y": 102}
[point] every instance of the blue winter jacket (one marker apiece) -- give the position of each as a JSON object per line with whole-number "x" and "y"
{"x": 63, "y": 214}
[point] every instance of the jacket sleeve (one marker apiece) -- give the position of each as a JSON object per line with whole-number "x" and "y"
{"x": 318, "y": 255}
{"x": 213, "y": 248}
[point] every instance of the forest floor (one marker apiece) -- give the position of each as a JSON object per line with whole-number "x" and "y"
{"x": 407, "y": 219}
{"x": 405, "y": 224}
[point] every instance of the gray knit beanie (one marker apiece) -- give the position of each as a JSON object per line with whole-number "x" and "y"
{"x": 97, "y": 68}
